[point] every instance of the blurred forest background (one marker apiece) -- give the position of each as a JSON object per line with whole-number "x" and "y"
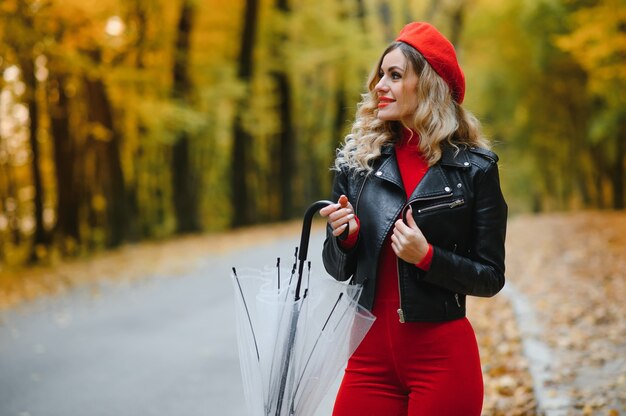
{"x": 132, "y": 120}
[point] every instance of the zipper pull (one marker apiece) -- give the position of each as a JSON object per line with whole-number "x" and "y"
{"x": 456, "y": 296}
{"x": 457, "y": 203}
{"x": 401, "y": 315}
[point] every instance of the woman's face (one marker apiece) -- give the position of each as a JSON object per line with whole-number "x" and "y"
{"x": 396, "y": 90}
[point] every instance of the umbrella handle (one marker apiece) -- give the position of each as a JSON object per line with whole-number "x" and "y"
{"x": 306, "y": 233}
{"x": 306, "y": 226}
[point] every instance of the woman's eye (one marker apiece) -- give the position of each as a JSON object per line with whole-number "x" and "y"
{"x": 392, "y": 75}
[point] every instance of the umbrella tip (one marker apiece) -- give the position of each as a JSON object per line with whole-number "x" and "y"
{"x": 234, "y": 271}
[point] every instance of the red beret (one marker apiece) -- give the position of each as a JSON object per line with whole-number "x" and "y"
{"x": 439, "y": 53}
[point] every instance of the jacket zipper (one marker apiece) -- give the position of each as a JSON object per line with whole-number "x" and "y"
{"x": 428, "y": 198}
{"x": 452, "y": 204}
{"x": 400, "y": 311}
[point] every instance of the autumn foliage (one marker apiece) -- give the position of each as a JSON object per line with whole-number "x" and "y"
{"x": 125, "y": 121}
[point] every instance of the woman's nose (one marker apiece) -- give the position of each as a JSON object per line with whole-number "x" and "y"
{"x": 381, "y": 86}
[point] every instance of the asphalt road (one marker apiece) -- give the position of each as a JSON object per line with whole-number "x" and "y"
{"x": 164, "y": 345}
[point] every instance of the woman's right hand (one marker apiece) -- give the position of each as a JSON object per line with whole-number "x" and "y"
{"x": 340, "y": 215}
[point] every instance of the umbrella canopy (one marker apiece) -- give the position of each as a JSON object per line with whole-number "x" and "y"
{"x": 295, "y": 332}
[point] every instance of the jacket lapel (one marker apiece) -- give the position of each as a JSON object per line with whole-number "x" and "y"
{"x": 388, "y": 169}
{"x": 435, "y": 183}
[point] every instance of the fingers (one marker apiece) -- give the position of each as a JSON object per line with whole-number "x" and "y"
{"x": 410, "y": 224}
{"x": 395, "y": 249}
{"x": 394, "y": 244}
{"x": 339, "y": 220}
{"x": 400, "y": 228}
{"x": 398, "y": 239}
{"x": 329, "y": 209}
{"x": 341, "y": 203}
{"x": 339, "y": 215}
{"x": 338, "y": 231}
{"x": 400, "y": 245}
{"x": 404, "y": 235}
{"x": 409, "y": 218}
{"x": 408, "y": 241}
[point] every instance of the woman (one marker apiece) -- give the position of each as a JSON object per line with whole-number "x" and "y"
{"x": 426, "y": 224}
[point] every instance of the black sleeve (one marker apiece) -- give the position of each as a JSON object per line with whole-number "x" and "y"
{"x": 339, "y": 263}
{"x": 481, "y": 272}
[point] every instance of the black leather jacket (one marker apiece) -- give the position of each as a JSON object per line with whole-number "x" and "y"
{"x": 460, "y": 209}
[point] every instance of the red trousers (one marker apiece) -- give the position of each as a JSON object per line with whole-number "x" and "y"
{"x": 415, "y": 369}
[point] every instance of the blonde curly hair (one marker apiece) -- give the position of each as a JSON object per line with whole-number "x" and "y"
{"x": 438, "y": 118}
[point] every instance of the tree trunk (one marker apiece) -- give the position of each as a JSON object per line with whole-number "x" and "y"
{"x": 239, "y": 167}
{"x": 617, "y": 179}
{"x": 100, "y": 117}
{"x": 287, "y": 146}
{"x": 242, "y": 140}
{"x": 67, "y": 209}
{"x": 457, "y": 20}
{"x": 599, "y": 173}
{"x": 9, "y": 200}
{"x": 341, "y": 112}
{"x": 286, "y": 138}
{"x": 185, "y": 187}
{"x": 28, "y": 73}
{"x": 138, "y": 12}
{"x": 384, "y": 10}
{"x": 361, "y": 12}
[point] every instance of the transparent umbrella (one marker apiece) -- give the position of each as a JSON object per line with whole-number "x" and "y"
{"x": 295, "y": 332}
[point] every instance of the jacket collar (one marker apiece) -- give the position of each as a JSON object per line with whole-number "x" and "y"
{"x": 455, "y": 157}
{"x": 435, "y": 183}
{"x": 449, "y": 155}
{"x": 387, "y": 150}
{"x": 388, "y": 168}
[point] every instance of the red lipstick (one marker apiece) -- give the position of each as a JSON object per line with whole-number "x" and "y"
{"x": 384, "y": 101}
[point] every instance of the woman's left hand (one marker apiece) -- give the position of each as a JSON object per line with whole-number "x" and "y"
{"x": 407, "y": 240}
